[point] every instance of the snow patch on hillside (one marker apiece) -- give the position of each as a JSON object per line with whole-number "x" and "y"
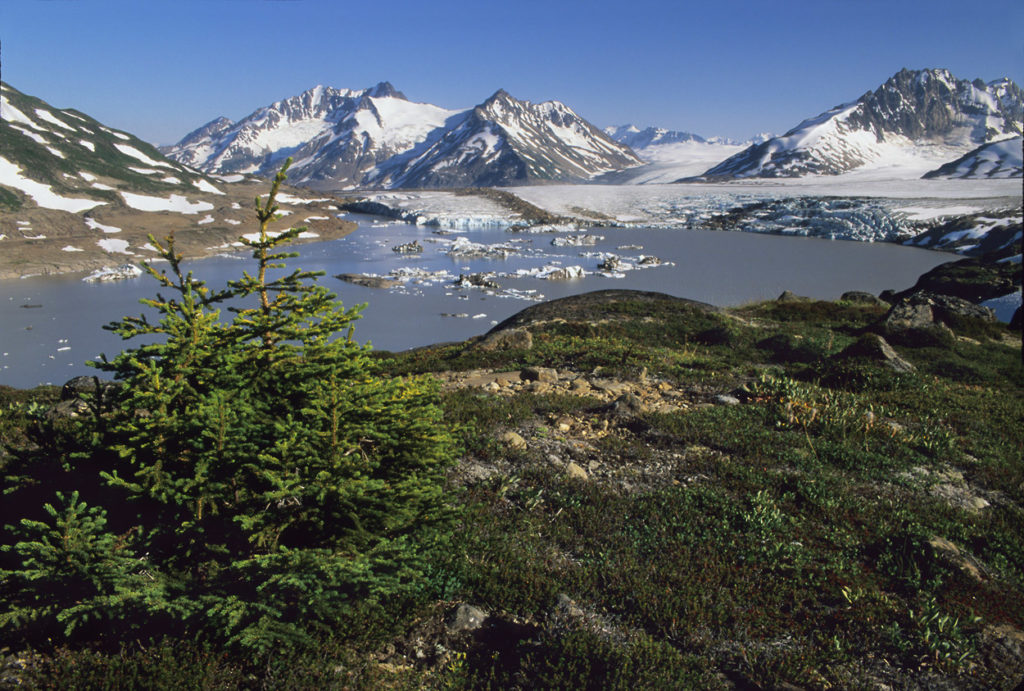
{"x": 175, "y": 202}
{"x": 114, "y": 246}
{"x": 95, "y": 225}
{"x": 12, "y": 114}
{"x": 53, "y": 120}
{"x": 139, "y": 156}
{"x": 42, "y": 195}
{"x": 204, "y": 186}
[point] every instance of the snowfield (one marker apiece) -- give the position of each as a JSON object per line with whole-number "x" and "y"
{"x": 42, "y": 195}
{"x": 175, "y": 202}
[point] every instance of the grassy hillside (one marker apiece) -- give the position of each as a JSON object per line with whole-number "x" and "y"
{"x": 654, "y": 493}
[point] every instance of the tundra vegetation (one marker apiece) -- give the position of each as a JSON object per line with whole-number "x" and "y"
{"x": 658, "y": 495}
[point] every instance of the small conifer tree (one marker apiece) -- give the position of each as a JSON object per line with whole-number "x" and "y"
{"x": 277, "y": 481}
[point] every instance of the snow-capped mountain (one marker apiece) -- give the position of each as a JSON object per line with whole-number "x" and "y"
{"x": 504, "y": 141}
{"x": 670, "y": 154}
{"x": 916, "y": 114}
{"x": 342, "y": 138}
{"x": 334, "y": 135}
{"x": 637, "y": 139}
{"x": 1002, "y": 159}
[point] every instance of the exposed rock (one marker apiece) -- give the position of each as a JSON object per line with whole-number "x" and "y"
{"x": 482, "y": 379}
{"x": 862, "y": 298}
{"x": 68, "y": 409}
{"x": 541, "y": 374}
{"x": 368, "y": 281}
{"x": 914, "y": 324}
{"x": 628, "y": 405}
{"x": 949, "y": 308}
{"x": 725, "y": 399}
{"x": 512, "y": 440}
{"x": 612, "y": 387}
{"x": 975, "y": 279}
{"x": 466, "y": 618}
{"x": 874, "y": 347}
{"x": 951, "y": 554}
{"x": 950, "y": 485}
{"x": 566, "y": 607}
{"x": 1002, "y": 648}
{"x": 929, "y": 319}
{"x": 508, "y": 339}
{"x": 580, "y": 387}
{"x": 789, "y": 296}
{"x": 576, "y": 472}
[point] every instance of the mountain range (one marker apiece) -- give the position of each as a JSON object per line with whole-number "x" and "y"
{"x": 915, "y": 122}
{"x": 921, "y": 118}
{"x": 378, "y": 138}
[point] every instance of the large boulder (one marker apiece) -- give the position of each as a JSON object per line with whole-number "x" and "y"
{"x": 929, "y": 319}
{"x": 859, "y": 297}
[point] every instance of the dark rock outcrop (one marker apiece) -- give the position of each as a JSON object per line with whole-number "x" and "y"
{"x": 928, "y": 319}
{"x": 859, "y": 297}
{"x": 975, "y": 279}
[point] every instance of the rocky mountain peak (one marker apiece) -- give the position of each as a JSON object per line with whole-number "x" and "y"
{"x": 933, "y": 104}
{"x": 211, "y": 129}
{"x": 927, "y": 110}
{"x": 385, "y": 90}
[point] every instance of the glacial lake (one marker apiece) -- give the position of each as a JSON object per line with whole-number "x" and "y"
{"x": 52, "y": 325}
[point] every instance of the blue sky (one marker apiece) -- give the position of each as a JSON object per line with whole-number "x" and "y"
{"x": 161, "y": 68}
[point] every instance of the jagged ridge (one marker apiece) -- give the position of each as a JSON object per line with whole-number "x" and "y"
{"x": 911, "y": 109}
{"x": 376, "y": 137}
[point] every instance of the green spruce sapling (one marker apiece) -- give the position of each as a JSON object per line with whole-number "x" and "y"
{"x": 279, "y": 483}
